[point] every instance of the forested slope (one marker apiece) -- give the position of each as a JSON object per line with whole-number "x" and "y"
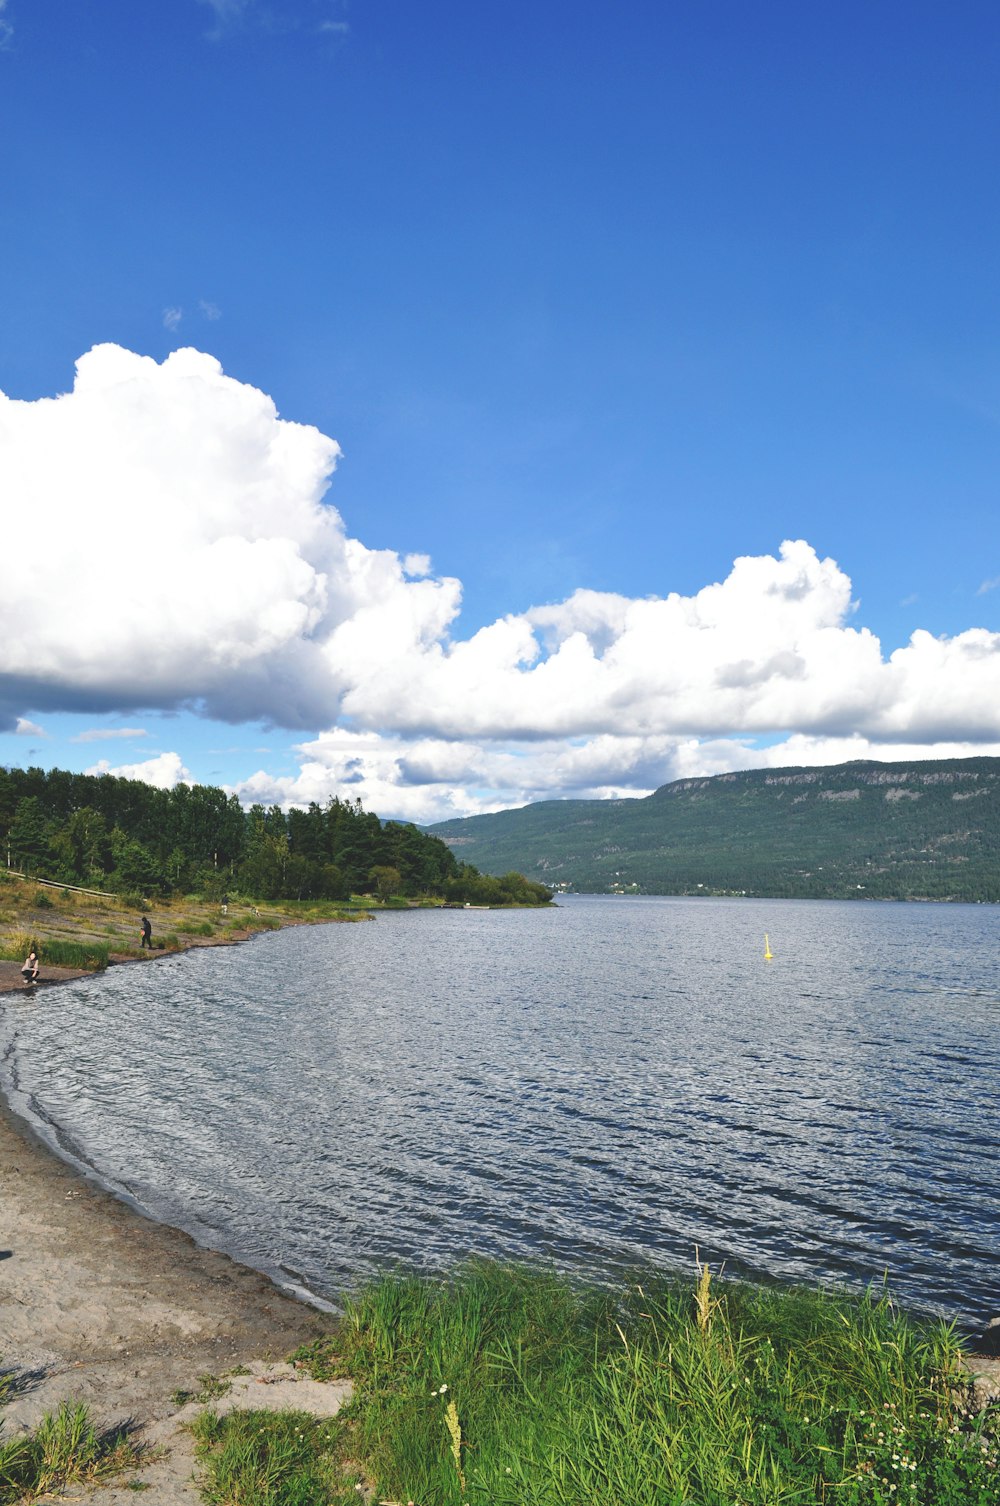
{"x": 121, "y": 834}
{"x": 907, "y": 830}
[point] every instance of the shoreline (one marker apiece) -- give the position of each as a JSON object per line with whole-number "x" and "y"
{"x": 103, "y": 1304}
{"x": 179, "y": 1301}
{"x": 25, "y": 1126}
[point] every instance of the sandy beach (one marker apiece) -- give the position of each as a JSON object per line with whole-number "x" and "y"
{"x": 101, "y": 1305}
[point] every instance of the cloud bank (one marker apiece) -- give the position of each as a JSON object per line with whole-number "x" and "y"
{"x": 192, "y": 560}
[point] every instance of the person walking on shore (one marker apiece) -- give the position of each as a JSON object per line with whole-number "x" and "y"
{"x": 29, "y": 972}
{"x": 147, "y": 934}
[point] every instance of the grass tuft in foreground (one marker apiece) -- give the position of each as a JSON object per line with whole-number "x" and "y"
{"x": 64, "y": 1449}
{"x": 268, "y": 1459}
{"x": 510, "y": 1387}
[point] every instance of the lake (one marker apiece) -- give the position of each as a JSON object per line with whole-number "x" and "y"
{"x": 609, "y": 1083}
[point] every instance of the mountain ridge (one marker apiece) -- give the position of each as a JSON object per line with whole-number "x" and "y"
{"x": 910, "y": 829}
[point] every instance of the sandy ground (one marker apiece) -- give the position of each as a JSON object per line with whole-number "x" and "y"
{"x": 10, "y": 976}
{"x": 101, "y": 1305}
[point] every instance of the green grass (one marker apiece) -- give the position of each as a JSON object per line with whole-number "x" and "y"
{"x": 64, "y": 1449}
{"x": 209, "y": 1387}
{"x": 507, "y": 1387}
{"x": 196, "y": 928}
{"x": 90, "y": 955}
{"x": 17, "y": 945}
{"x": 270, "y": 1459}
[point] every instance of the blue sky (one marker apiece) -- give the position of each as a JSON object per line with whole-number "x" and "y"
{"x": 595, "y": 303}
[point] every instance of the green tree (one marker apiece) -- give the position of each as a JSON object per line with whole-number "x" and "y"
{"x": 8, "y": 803}
{"x": 262, "y": 872}
{"x": 385, "y": 881}
{"x": 301, "y": 878}
{"x": 332, "y": 884}
{"x": 178, "y": 869}
{"x": 28, "y": 836}
{"x": 135, "y": 868}
{"x": 307, "y": 833}
{"x": 88, "y": 843}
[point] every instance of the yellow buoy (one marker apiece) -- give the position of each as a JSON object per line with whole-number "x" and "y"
{"x": 768, "y": 954}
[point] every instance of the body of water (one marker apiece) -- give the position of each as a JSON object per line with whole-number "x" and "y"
{"x": 601, "y": 1085}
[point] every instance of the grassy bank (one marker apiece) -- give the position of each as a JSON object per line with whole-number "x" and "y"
{"x": 71, "y": 928}
{"x": 79, "y": 929}
{"x": 513, "y": 1388}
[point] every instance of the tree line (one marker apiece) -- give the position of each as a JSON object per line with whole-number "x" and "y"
{"x": 103, "y": 832}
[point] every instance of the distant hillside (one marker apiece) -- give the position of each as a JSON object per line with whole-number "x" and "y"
{"x": 911, "y": 830}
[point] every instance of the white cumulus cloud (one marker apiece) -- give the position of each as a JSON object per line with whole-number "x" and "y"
{"x": 163, "y": 771}
{"x": 190, "y": 558}
{"x": 193, "y": 560}
{"x": 427, "y": 780}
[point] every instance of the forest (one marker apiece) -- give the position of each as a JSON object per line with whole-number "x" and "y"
{"x": 122, "y": 835}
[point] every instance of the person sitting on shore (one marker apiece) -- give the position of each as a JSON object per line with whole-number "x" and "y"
{"x": 29, "y": 972}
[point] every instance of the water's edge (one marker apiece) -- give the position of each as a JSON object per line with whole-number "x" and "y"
{"x": 45, "y": 1137}
{"x": 598, "y": 1090}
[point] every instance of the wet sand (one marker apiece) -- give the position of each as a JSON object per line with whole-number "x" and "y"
{"x": 101, "y": 1305}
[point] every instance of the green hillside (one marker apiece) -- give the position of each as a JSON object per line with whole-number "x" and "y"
{"x": 868, "y": 830}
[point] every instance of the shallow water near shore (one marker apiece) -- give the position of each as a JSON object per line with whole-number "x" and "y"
{"x": 605, "y": 1084}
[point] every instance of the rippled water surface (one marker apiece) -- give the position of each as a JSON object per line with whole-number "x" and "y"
{"x": 604, "y": 1083}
